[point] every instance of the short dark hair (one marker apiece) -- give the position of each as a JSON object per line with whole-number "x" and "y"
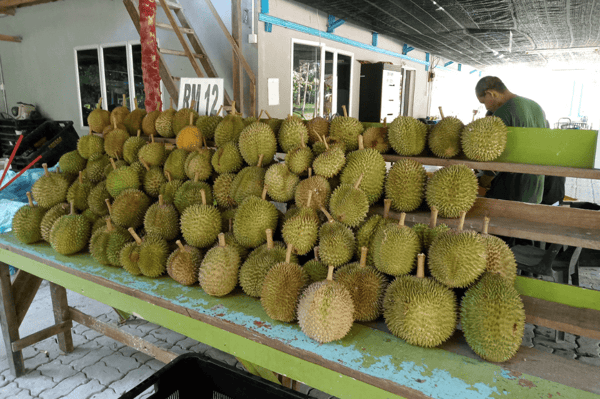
{"x": 489, "y": 83}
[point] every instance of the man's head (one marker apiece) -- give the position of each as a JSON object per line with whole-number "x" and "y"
{"x": 491, "y": 92}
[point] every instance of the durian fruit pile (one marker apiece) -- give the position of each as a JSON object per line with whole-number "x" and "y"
{"x": 211, "y": 217}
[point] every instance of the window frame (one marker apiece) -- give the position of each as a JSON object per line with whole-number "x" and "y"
{"x": 101, "y": 79}
{"x": 411, "y": 91}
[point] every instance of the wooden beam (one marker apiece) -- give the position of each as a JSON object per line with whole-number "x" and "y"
{"x": 42, "y": 335}
{"x": 236, "y": 49}
{"x": 25, "y": 286}
{"x": 169, "y": 27}
{"x": 115, "y": 333}
{"x": 8, "y": 322}
{"x": 167, "y": 51}
{"x": 6, "y": 38}
{"x": 14, "y": 3}
{"x": 8, "y": 11}
{"x": 238, "y": 73}
{"x": 60, "y": 308}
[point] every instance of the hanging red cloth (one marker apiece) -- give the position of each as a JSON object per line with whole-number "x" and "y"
{"x": 150, "y": 64}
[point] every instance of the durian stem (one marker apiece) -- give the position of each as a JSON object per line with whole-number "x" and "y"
{"x": 151, "y": 137}
{"x": 387, "y": 203}
{"x": 363, "y": 256}
{"x": 145, "y": 164}
{"x": 486, "y": 224}
{"x": 139, "y": 133}
{"x": 326, "y": 145}
{"x": 160, "y": 200}
{"x": 45, "y": 166}
{"x": 288, "y": 253}
{"x": 99, "y": 106}
{"x": 330, "y": 273}
{"x": 196, "y": 177}
{"x": 385, "y": 122}
{"x": 135, "y": 103}
{"x": 203, "y": 195}
{"x": 171, "y": 103}
{"x": 57, "y": 170}
{"x": 191, "y": 118}
{"x": 357, "y": 184}
{"x": 361, "y": 142}
{"x": 168, "y": 175}
{"x": 124, "y": 103}
{"x": 270, "y": 243}
{"x": 268, "y": 116}
{"x": 309, "y": 172}
{"x": 222, "y": 240}
{"x": 264, "y": 193}
{"x": 461, "y": 223}
{"x": 30, "y": 199}
{"x": 180, "y": 245}
{"x": 421, "y": 265}
{"x": 109, "y": 225}
{"x": 474, "y": 113}
{"x": 80, "y": 177}
{"x": 441, "y": 112}
{"x": 317, "y": 254}
{"x": 90, "y": 132}
{"x": 204, "y": 141}
{"x": 230, "y": 225}
{"x": 193, "y": 105}
{"x": 308, "y": 201}
{"x": 137, "y": 238}
{"x": 261, "y": 112}
{"x": 112, "y": 162}
{"x": 72, "y": 204}
{"x": 402, "y": 218}
{"x": 220, "y": 109}
{"x": 260, "y": 160}
{"x": 433, "y": 218}
{"x": 114, "y": 124}
{"x": 233, "y": 110}
{"x": 108, "y": 206}
{"x": 327, "y": 214}
{"x": 345, "y": 111}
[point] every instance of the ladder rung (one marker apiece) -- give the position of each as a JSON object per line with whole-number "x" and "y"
{"x": 175, "y": 78}
{"x": 173, "y": 6}
{"x": 177, "y": 52}
{"x": 187, "y": 31}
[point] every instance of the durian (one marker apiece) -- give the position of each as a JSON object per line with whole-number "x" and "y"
{"x": 107, "y": 242}
{"x": 129, "y": 207}
{"x": 500, "y": 259}
{"x": 72, "y": 162}
{"x": 132, "y": 147}
{"x": 405, "y": 185}
{"x": 97, "y": 197}
{"x": 336, "y": 242}
{"x": 221, "y": 190}
{"x": 90, "y": 145}
{"x": 255, "y": 140}
{"x": 119, "y": 114}
{"x": 317, "y": 127}
{"x": 229, "y": 128}
{"x": 367, "y": 162}
{"x": 50, "y": 189}
{"x": 292, "y": 134}
{"x": 330, "y": 162}
{"x": 315, "y": 269}
{"x": 95, "y": 167}
{"x": 153, "y": 179}
{"x": 218, "y": 273}
{"x": 321, "y": 190}
{"x": 207, "y": 125}
{"x": 299, "y": 159}
{"x": 252, "y": 218}
{"x": 147, "y": 256}
{"x": 153, "y": 153}
{"x": 349, "y": 204}
{"x": 377, "y": 138}
{"x": 78, "y": 193}
{"x": 197, "y": 161}
{"x": 444, "y": 139}
{"x": 133, "y": 120}
{"x": 189, "y": 138}
{"x": 162, "y": 220}
{"x": 248, "y": 182}
{"x": 201, "y": 223}
{"x": 302, "y": 230}
{"x": 346, "y": 129}
{"x": 121, "y": 179}
{"x": 451, "y": 190}
{"x": 407, "y": 135}
{"x": 484, "y": 139}
{"x": 184, "y": 263}
{"x": 281, "y": 182}
{"x": 149, "y": 123}
{"x": 114, "y": 142}
{"x": 26, "y": 223}
{"x": 70, "y": 233}
{"x": 227, "y": 158}
{"x": 164, "y": 122}
{"x": 169, "y": 189}
{"x": 190, "y": 193}
{"x": 99, "y": 118}
{"x": 395, "y": 248}
{"x": 49, "y": 218}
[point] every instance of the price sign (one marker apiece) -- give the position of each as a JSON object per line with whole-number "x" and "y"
{"x": 208, "y": 93}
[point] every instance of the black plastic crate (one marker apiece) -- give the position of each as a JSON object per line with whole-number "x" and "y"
{"x": 50, "y": 140}
{"x": 197, "y": 376}
{"x": 11, "y": 129}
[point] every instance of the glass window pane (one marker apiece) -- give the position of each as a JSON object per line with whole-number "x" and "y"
{"x": 89, "y": 81}
{"x": 306, "y": 70}
{"x": 344, "y": 66}
{"x": 138, "y": 79}
{"x": 328, "y": 84}
{"x": 116, "y": 76}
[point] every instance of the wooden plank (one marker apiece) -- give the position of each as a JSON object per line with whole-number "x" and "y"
{"x": 165, "y": 74}
{"x": 24, "y": 288}
{"x": 173, "y": 6}
{"x": 7, "y": 38}
{"x": 14, "y": 3}
{"x": 504, "y": 166}
{"x": 8, "y": 322}
{"x": 577, "y": 321}
{"x": 236, "y": 49}
{"x": 8, "y": 11}
{"x": 113, "y": 332}
{"x": 60, "y": 308}
{"x": 238, "y": 73}
{"x": 177, "y": 52}
{"x": 42, "y": 335}
{"x": 169, "y": 27}
{"x": 186, "y": 47}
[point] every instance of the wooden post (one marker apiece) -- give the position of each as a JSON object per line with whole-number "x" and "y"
{"x": 60, "y": 307}
{"x": 238, "y": 72}
{"x": 9, "y": 323}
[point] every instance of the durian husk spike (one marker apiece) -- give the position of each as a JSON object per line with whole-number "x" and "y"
{"x": 363, "y": 256}
{"x": 288, "y": 253}
{"x": 196, "y": 177}
{"x": 309, "y": 172}
{"x": 145, "y": 164}
{"x": 433, "y": 217}
{"x": 327, "y": 214}
{"x": 260, "y": 160}
{"x": 72, "y": 203}
{"x": 461, "y": 222}
{"x": 330, "y": 273}
{"x": 222, "y": 242}
{"x": 310, "y": 194}
{"x": 137, "y": 238}
{"x": 486, "y": 224}
{"x": 441, "y": 112}
{"x": 203, "y": 195}
{"x": 268, "y": 116}
{"x": 264, "y": 193}
{"x": 112, "y": 162}
{"x": 361, "y": 142}
{"x": 45, "y": 166}
{"x": 421, "y": 265}
{"x": 80, "y": 177}
{"x": 270, "y": 243}
{"x": 180, "y": 245}
{"x": 30, "y": 199}
{"x": 387, "y": 203}
{"x": 261, "y": 112}
{"x": 345, "y": 110}
{"x": 109, "y": 225}
{"x": 402, "y": 218}
{"x": 316, "y": 253}
{"x": 359, "y": 181}
{"x": 108, "y": 206}
{"x": 160, "y": 200}
{"x": 220, "y": 109}
{"x": 168, "y": 175}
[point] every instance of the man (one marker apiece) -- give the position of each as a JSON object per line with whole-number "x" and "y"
{"x": 517, "y": 111}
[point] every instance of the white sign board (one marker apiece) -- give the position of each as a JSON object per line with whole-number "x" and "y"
{"x": 208, "y": 93}
{"x": 273, "y": 91}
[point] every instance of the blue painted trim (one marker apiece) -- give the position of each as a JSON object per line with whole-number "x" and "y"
{"x": 479, "y": 73}
{"x": 448, "y": 63}
{"x": 264, "y": 6}
{"x": 427, "y": 59}
{"x": 268, "y": 27}
{"x": 474, "y": 70}
{"x": 406, "y": 49}
{"x": 375, "y": 36}
{"x": 459, "y": 67}
{"x": 333, "y": 23}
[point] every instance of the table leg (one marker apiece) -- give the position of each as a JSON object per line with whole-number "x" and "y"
{"x": 60, "y": 307}
{"x": 9, "y": 322}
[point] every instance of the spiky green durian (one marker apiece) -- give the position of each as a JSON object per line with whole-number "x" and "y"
{"x": 367, "y": 162}
{"x": 405, "y": 185}
{"x": 484, "y": 139}
{"x": 201, "y": 223}
{"x": 253, "y": 217}
{"x": 349, "y": 204}
{"x": 365, "y": 233}
{"x": 227, "y": 158}
{"x": 299, "y": 160}
{"x": 395, "y": 248}
{"x": 281, "y": 182}
{"x": 184, "y": 263}
{"x": 292, "y": 134}
{"x": 281, "y": 289}
{"x": 133, "y": 120}
{"x": 181, "y": 119}
{"x": 95, "y": 167}
{"x": 229, "y": 129}
{"x": 321, "y": 190}
{"x": 122, "y": 179}
{"x": 70, "y": 233}
{"x": 27, "y": 222}
{"x": 132, "y": 146}
{"x": 248, "y": 182}
{"x": 451, "y": 190}
{"x": 346, "y": 129}
{"x": 129, "y": 258}
{"x": 175, "y": 164}
{"x": 50, "y": 217}
{"x": 444, "y": 138}
{"x": 221, "y": 190}
{"x": 377, "y": 139}
{"x": 150, "y": 256}
{"x": 162, "y": 220}
{"x": 407, "y": 135}
{"x": 153, "y": 153}
{"x": 190, "y": 193}
{"x": 149, "y": 123}
{"x": 129, "y": 208}
{"x": 107, "y": 242}
{"x": 78, "y": 193}
{"x": 219, "y": 269}
{"x": 119, "y": 113}
{"x": 169, "y": 189}
{"x": 117, "y": 165}
{"x": 164, "y": 123}
{"x": 318, "y": 128}
{"x": 255, "y": 140}
{"x": 274, "y": 124}
{"x": 499, "y": 258}
{"x": 302, "y": 230}
{"x": 315, "y": 269}
{"x": 336, "y": 242}
{"x": 493, "y": 318}
{"x": 72, "y": 162}
{"x": 208, "y": 124}
{"x": 90, "y": 145}
{"x": 330, "y": 162}
{"x": 99, "y": 118}
{"x": 326, "y": 310}
{"x": 420, "y": 310}
{"x": 198, "y": 161}
{"x": 50, "y": 189}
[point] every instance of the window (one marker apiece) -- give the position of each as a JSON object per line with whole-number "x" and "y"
{"x": 109, "y": 71}
{"x": 321, "y": 80}
{"x": 408, "y": 91}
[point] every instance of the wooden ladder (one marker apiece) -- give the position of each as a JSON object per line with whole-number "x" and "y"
{"x": 192, "y": 47}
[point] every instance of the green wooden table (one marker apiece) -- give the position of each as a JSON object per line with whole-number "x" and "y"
{"x": 368, "y": 363}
